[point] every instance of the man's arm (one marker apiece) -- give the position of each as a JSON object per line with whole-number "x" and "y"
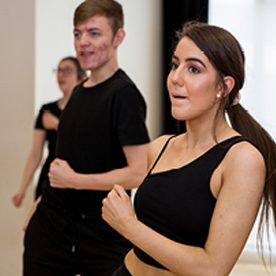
{"x": 61, "y": 175}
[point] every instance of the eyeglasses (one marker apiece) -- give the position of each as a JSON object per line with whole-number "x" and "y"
{"x": 66, "y": 71}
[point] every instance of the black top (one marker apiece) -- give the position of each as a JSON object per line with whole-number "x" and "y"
{"x": 178, "y": 203}
{"x": 51, "y": 136}
{"x": 96, "y": 123}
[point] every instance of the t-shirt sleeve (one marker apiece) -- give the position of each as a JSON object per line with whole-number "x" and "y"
{"x": 130, "y": 114}
{"x": 38, "y": 121}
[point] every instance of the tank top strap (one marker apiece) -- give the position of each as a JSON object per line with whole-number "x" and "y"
{"x": 233, "y": 140}
{"x": 160, "y": 154}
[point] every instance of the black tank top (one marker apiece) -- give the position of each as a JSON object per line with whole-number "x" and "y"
{"x": 178, "y": 203}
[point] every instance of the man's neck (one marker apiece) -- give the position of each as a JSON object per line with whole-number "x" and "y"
{"x": 98, "y": 76}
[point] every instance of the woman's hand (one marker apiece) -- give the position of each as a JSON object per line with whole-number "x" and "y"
{"x": 117, "y": 210}
{"x": 18, "y": 198}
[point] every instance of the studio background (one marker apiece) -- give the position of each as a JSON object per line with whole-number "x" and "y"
{"x": 36, "y": 34}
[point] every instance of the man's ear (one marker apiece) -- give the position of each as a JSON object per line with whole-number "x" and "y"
{"x": 229, "y": 85}
{"x": 119, "y": 37}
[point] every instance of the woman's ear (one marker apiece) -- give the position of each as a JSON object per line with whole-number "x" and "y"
{"x": 119, "y": 37}
{"x": 229, "y": 84}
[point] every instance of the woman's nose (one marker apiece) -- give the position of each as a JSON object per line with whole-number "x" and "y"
{"x": 177, "y": 77}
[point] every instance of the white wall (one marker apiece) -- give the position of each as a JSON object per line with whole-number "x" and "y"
{"x": 16, "y": 113}
{"x": 253, "y": 23}
{"x": 139, "y": 55}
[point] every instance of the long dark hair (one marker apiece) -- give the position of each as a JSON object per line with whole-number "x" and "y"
{"x": 227, "y": 56}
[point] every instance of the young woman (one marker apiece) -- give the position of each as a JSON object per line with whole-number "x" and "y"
{"x": 69, "y": 74}
{"x": 196, "y": 207}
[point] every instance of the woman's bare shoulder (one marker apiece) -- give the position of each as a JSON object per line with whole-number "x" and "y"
{"x": 159, "y": 142}
{"x": 155, "y": 147}
{"x": 246, "y": 163}
{"x": 245, "y": 152}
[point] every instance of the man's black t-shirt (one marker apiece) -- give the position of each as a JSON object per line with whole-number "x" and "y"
{"x": 96, "y": 123}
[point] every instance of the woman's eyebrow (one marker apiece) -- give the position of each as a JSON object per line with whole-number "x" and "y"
{"x": 196, "y": 60}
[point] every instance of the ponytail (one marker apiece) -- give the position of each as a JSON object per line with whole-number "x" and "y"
{"x": 245, "y": 124}
{"x": 227, "y": 56}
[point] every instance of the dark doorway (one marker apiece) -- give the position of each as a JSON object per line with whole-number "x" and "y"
{"x": 174, "y": 14}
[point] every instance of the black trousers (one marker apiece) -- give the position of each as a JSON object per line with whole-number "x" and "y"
{"x": 60, "y": 244}
{"x": 121, "y": 271}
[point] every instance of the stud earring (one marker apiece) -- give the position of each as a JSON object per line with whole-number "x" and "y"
{"x": 218, "y": 96}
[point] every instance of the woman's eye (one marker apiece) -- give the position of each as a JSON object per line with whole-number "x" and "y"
{"x": 193, "y": 70}
{"x": 173, "y": 66}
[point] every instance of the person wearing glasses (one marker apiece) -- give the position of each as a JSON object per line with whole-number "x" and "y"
{"x": 69, "y": 73}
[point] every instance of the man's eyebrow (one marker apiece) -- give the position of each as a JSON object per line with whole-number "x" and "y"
{"x": 90, "y": 29}
{"x": 93, "y": 29}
